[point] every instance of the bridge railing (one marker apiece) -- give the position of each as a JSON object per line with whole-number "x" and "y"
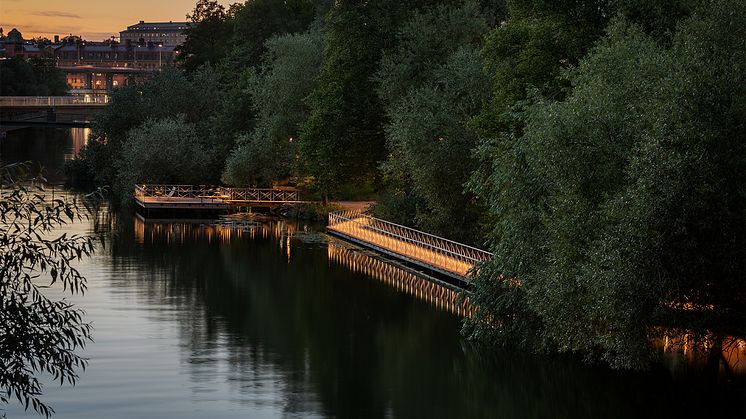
{"x": 216, "y": 193}
{"x": 262, "y": 195}
{"x": 178, "y": 191}
{"x": 450, "y": 255}
{"x": 33, "y": 101}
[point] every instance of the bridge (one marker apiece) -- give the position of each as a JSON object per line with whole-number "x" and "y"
{"x": 437, "y": 254}
{"x": 201, "y": 197}
{"x": 50, "y": 110}
{"x": 444, "y": 256}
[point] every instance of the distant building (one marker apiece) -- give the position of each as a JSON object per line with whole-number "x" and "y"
{"x": 114, "y": 55}
{"x": 159, "y": 33}
{"x": 93, "y": 67}
{"x": 15, "y": 46}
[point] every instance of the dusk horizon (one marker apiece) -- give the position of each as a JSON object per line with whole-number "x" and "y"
{"x": 91, "y": 20}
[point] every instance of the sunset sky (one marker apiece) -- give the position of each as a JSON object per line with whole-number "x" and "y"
{"x": 94, "y": 20}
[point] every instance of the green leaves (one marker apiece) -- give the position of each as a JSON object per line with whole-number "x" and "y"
{"x": 433, "y": 84}
{"x": 33, "y": 77}
{"x": 37, "y": 335}
{"x": 162, "y": 151}
{"x": 279, "y": 91}
{"x": 626, "y": 198}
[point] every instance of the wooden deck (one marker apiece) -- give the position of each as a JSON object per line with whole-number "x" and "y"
{"x": 453, "y": 259}
{"x": 166, "y": 202}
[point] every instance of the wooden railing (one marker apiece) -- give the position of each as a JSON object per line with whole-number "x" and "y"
{"x": 218, "y": 193}
{"x": 36, "y": 101}
{"x": 433, "y": 251}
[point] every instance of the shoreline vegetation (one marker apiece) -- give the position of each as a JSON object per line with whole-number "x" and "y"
{"x": 595, "y": 148}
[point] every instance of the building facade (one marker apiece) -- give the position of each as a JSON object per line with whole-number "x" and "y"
{"x": 114, "y": 55}
{"x": 159, "y": 33}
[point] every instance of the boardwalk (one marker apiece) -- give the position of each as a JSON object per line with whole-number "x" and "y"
{"x": 209, "y": 197}
{"x": 445, "y": 256}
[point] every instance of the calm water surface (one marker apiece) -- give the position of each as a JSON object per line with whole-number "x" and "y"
{"x": 267, "y": 318}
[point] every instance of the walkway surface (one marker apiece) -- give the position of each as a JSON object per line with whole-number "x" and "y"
{"x": 454, "y": 259}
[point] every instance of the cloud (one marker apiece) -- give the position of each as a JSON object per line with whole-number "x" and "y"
{"x": 53, "y": 13}
{"x": 31, "y": 28}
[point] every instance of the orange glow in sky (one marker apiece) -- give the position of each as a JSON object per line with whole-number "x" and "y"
{"x": 94, "y": 20}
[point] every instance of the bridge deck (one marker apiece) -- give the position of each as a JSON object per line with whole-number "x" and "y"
{"x": 447, "y": 257}
{"x": 179, "y": 202}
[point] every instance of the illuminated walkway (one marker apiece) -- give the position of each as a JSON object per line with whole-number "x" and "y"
{"x": 445, "y": 256}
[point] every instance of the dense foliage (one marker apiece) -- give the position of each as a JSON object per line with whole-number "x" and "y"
{"x": 278, "y": 92}
{"x": 433, "y": 83}
{"x": 620, "y": 209}
{"x": 38, "y": 335}
{"x": 166, "y": 96}
{"x": 342, "y": 140}
{"x": 595, "y": 147}
{"x": 33, "y": 77}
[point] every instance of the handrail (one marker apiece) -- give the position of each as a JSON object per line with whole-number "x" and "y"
{"x": 363, "y": 215}
{"x": 217, "y": 193}
{"x": 35, "y": 101}
{"x": 439, "y": 245}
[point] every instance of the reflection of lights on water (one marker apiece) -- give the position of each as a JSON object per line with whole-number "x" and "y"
{"x": 223, "y": 231}
{"x": 733, "y": 350}
{"x": 403, "y": 280}
{"x": 80, "y": 138}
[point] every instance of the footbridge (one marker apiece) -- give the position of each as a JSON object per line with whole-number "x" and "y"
{"x": 50, "y": 110}
{"x": 202, "y": 197}
{"x": 455, "y": 260}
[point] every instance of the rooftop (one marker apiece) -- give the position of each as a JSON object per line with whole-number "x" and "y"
{"x": 149, "y": 26}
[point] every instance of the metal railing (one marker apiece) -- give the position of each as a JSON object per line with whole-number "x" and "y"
{"x": 261, "y": 195}
{"x": 35, "y": 101}
{"x": 426, "y": 248}
{"x": 216, "y": 193}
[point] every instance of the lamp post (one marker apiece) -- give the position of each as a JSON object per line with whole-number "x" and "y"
{"x": 160, "y": 56}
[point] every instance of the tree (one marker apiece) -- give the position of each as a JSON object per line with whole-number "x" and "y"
{"x": 38, "y": 334}
{"x": 208, "y": 36}
{"x": 343, "y": 140}
{"x": 432, "y": 82}
{"x": 257, "y": 21}
{"x": 279, "y": 91}
{"x": 161, "y": 151}
{"x": 167, "y": 94}
{"x": 35, "y": 77}
{"x": 620, "y": 209}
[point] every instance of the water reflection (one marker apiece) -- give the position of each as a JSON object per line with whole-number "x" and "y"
{"x": 49, "y": 147}
{"x": 276, "y": 320}
{"x": 683, "y": 351}
{"x": 80, "y": 138}
{"x": 441, "y": 296}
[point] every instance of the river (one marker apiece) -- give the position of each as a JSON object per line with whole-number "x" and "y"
{"x": 254, "y": 317}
